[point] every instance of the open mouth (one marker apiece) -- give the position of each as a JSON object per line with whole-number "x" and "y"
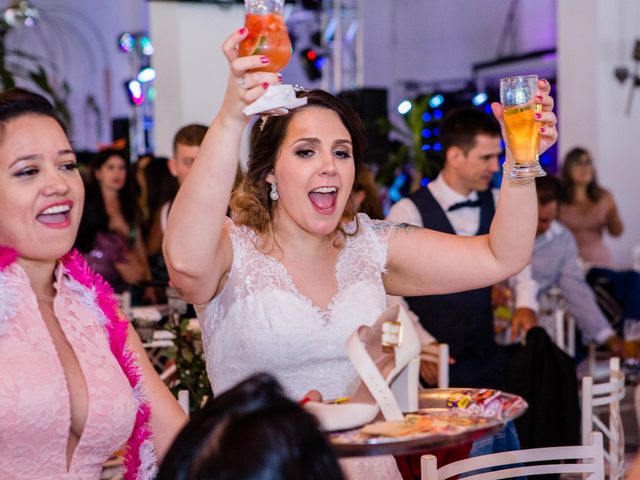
{"x": 58, "y": 215}
{"x": 324, "y": 199}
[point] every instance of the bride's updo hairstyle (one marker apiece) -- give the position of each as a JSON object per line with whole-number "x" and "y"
{"x": 250, "y": 203}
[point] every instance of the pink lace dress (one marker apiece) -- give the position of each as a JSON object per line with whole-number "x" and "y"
{"x": 34, "y": 398}
{"x": 261, "y": 322}
{"x": 588, "y": 227}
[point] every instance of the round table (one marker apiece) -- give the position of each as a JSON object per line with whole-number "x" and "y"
{"x": 353, "y": 443}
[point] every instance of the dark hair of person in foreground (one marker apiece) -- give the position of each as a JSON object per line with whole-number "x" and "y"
{"x": 251, "y": 432}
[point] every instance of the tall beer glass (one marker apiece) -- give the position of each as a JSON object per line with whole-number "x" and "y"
{"x": 523, "y": 132}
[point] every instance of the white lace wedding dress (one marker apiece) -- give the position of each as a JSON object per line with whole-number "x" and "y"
{"x": 261, "y": 322}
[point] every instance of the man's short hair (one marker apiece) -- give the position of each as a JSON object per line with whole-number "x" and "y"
{"x": 189, "y": 135}
{"x": 460, "y": 127}
{"x": 548, "y": 189}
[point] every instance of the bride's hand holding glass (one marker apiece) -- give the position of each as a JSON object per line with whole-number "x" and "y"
{"x": 247, "y": 80}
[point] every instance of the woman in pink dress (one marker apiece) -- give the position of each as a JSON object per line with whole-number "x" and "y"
{"x": 75, "y": 383}
{"x": 588, "y": 210}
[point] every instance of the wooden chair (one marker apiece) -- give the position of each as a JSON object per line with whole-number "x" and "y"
{"x": 600, "y": 398}
{"x": 579, "y": 459}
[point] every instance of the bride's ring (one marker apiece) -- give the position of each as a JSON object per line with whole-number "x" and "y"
{"x": 240, "y": 82}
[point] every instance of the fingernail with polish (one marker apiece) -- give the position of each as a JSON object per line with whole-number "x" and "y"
{"x": 265, "y": 85}
{"x": 542, "y": 130}
{"x": 538, "y": 115}
{"x": 539, "y": 97}
{"x": 264, "y": 59}
{"x": 242, "y": 31}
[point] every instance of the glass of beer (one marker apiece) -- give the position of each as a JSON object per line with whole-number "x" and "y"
{"x": 267, "y": 36}
{"x": 517, "y": 96}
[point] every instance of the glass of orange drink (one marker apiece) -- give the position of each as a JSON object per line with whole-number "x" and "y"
{"x": 523, "y": 132}
{"x": 267, "y": 36}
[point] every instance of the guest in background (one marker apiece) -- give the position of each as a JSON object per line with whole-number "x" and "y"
{"x": 365, "y": 195}
{"x": 555, "y": 263}
{"x": 161, "y": 188}
{"x": 587, "y": 209}
{"x": 251, "y": 432}
{"x": 110, "y": 234}
{"x": 186, "y": 145}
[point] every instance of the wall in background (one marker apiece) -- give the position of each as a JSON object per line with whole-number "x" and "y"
{"x": 192, "y": 70}
{"x": 80, "y": 37}
{"x": 594, "y": 38}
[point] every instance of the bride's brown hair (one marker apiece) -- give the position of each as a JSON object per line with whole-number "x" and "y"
{"x": 250, "y": 203}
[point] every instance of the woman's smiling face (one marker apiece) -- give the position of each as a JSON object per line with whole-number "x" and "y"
{"x": 41, "y": 192}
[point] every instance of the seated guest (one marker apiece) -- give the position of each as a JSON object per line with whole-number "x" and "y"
{"x": 75, "y": 382}
{"x": 588, "y": 210}
{"x": 110, "y": 233}
{"x": 251, "y": 432}
{"x": 161, "y": 187}
{"x": 555, "y": 263}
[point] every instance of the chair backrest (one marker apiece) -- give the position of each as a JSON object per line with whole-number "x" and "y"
{"x": 606, "y": 396}
{"x": 556, "y": 319}
{"x": 579, "y": 459}
{"x": 438, "y": 353}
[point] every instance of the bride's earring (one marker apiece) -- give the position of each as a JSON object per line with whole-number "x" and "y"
{"x": 274, "y": 195}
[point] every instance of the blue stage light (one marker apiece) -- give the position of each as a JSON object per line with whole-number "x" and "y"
{"x": 426, "y": 133}
{"x": 436, "y": 101}
{"x": 437, "y": 114}
{"x": 479, "y": 98}
{"x": 426, "y": 117}
{"x": 437, "y": 146}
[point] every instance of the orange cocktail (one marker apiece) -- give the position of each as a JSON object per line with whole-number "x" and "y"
{"x": 267, "y": 36}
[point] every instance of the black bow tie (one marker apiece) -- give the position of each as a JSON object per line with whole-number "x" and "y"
{"x": 466, "y": 203}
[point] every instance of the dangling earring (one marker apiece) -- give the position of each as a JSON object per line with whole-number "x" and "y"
{"x": 274, "y": 195}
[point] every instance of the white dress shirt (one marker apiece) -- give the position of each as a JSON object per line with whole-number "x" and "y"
{"x": 465, "y": 222}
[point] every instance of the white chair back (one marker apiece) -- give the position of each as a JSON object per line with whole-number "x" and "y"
{"x": 556, "y": 319}
{"x": 604, "y": 397}
{"x": 579, "y": 459}
{"x": 438, "y": 353}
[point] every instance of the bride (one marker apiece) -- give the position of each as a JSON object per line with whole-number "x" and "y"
{"x": 282, "y": 285}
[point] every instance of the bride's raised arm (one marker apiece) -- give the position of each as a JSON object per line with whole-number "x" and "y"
{"x": 426, "y": 262}
{"x": 196, "y": 248}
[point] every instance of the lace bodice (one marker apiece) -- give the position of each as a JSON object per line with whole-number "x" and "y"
{"x": 261, "y": 322}
{"x": 34, "y": 398}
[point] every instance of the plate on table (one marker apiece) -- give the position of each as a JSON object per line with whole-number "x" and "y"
{"x": 446, "y": 417}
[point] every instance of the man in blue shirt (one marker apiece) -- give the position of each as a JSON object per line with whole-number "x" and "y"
{"x": 555, "y": 263}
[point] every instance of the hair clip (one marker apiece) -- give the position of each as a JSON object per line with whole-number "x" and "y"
{"x": 300, "y": 88}
{"x": 263, "y": 121}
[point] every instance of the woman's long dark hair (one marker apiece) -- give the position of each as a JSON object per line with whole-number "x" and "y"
{"x": 94, "y": 216}
{"x": 594, "y": 190}
{"x": 251, "y": 432}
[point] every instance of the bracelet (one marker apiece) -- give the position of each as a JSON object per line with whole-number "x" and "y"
{"x": 517, "y": 181}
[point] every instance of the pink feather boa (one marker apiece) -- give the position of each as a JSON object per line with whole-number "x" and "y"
{"x": 117, "y": 329}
